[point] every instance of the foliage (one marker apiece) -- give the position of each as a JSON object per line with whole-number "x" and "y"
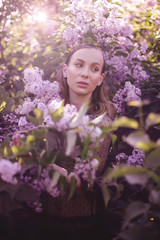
{"x": 128, "y": 32}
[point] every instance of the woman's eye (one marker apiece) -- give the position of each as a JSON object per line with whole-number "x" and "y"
{"x": 79, "y": 65}
{"x": 95, "y": 69}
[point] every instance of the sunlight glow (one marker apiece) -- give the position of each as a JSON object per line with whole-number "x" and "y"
{"x": 40, "y": 16}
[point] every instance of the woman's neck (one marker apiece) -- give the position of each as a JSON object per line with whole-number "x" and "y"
{"x": 78, "y": 100}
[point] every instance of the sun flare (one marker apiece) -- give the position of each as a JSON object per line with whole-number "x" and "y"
{"x": 40, "y": 16}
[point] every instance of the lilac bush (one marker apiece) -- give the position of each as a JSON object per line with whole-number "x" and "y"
{"x": 108, "y": 26}
{"x": 38, "y": 132}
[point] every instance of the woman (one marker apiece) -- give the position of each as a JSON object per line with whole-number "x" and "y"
{"x": 82, "y": 79}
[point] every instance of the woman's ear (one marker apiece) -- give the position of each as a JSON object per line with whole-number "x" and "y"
{"x": 100, "y": 79}
{"x": 65, "y": 70}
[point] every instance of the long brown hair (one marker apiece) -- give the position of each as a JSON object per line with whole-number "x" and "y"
{"x": 100, "y": 101}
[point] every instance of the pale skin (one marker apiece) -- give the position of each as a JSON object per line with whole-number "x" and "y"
{"x": 84, "y": 74}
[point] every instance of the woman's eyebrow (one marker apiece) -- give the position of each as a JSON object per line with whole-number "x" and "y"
{"x": 95, "y": 63}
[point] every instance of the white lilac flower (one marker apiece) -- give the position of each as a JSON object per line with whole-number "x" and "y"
{"x": 95, "y": 163}
{"x": 93, "y": 131}
{"x": 69, "y": 111}
{"x": 8, "y": 170}
{"x": 25, "y": 108}
{"x": 22, "y": 122}
{"x": 32, "y": 75}
{"x": 35, "y": 88}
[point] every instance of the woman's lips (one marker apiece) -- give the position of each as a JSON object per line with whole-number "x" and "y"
{"x": 82, "y": 84}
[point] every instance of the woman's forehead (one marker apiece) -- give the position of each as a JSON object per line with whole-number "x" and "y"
{"x": 88, "y": 54}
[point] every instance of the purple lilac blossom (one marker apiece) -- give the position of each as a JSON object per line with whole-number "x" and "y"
{"x": 128, "y": 93}
{"x": 86, "y": 169}
{"x": 136, "y": 158}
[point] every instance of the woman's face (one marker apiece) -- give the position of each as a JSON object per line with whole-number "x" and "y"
{"x": 84, "y": 72}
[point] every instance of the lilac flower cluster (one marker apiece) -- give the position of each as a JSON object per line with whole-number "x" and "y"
{"x": 43, "y": 183}
{"x": 40, "y": 184}
{"x": 128, "y": 93}
{"x": 8, "y": 170}
{"x": 86, "y": 169}
{"x": 88, "y": 15}
{"x": 136, "y": 158}
{"x": 11, "y": 125}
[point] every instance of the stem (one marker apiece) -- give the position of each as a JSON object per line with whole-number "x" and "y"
{"x": 141, "y": 119}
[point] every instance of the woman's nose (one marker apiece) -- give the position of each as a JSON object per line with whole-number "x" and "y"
{"x": 84, "y": 72}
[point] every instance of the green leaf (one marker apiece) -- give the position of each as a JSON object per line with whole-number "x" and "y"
{"x": 18, "y": 151}
{"x": 154, "y": 196}
{"x": 138, "y": 103}
{"x": 152, "y": 119}
{"x": 105, "y": 192}
{"x": 39, "y": 115}
{"x": 51, "y": 141}
{"x": 40, "y": 133}
{"x": 38, "y": 119}
{"x": 78, "y": 118}
{"x": 71, "y": 141}
{"x": 134, "y": 210}
{"x": 2, "y": 105}
{"x": 32, "y": 120}
{"x": 9, "y": 103}
{"x": 57, "y": 115}
{"x": 114, "y": 138}
{"x": 139, "y": 139}
{"x": 72, "y": 187}
{"x": 55, "y": 178}
{"x": 5, "y": 149}
{"x": 3, "y": 93}
{"x": 139, "y": 178}
{"x": 30, "y": 139}
{"x": 152, "y": 160}
{"x": 7, "y": 152}
{"x": 120, "y": 53}
{"x": 63, "y": 184}
{"x": 124, "y": 122}
{"x": 105, "y": 130}
{"x": 130, "y": 48}
{"x": 124, "y": 170}
{"x": 86, "y": 143}
{"x": 97, "y": 119}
